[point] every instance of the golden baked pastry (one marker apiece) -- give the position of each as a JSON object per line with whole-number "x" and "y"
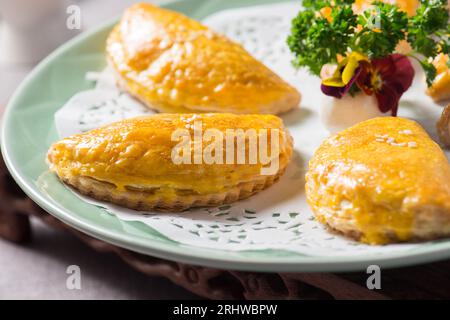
{"x": 443, "y": 127}
{"x": 175, "y": 64}
{"x": 131, "y": 162}
{"x": 440, "y": 89}
{"x": 382, "y": 180}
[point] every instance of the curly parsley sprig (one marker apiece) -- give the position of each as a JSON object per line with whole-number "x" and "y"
{"x": 317, "y": 38}
{"x": 428, "y": 34}
{"x": 382, "y": 28}
{"x": 319, "y": 41}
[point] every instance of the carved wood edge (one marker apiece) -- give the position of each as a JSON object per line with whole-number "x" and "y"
{"x": 222, "y": 284}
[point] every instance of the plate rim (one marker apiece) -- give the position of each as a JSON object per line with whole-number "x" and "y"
{"x": 429, "y": 252}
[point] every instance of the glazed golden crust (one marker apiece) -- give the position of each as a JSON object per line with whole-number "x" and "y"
{"x": 440, "y": 88}
{"x": 443, "y": 127}
{"x": 383, "y": 180}
{"x": 175, "y": 64}
{"x": 130, "y": 162}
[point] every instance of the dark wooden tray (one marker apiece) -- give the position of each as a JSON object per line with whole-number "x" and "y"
{"x": 430, "y": 281}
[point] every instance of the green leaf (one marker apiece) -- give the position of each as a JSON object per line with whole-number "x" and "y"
{"x": 376, "y": 32}
{"x": 428, "y": 30}
{"x": 383, "y": 27}
{"x": 430, "y": 71}
{"x": 315, "y": 41}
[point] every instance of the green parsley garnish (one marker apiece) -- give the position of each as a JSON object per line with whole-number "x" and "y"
{"x": 316, "y": 39}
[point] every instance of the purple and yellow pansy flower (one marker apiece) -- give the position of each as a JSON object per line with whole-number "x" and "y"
{"x": 387, "y": 78}
{"x": 344, "y": 76}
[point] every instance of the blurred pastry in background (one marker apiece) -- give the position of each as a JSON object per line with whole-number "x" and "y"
{"x": 440, "y": 89}
{"x": 173, "y": 63}
{"x": 443, "y": 127}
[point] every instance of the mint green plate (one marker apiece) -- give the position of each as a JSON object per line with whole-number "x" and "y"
{"x": 28, "y": 130}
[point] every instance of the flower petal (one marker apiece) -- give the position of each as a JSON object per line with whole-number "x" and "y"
{"x": 333, "y": 82}
{"x": 396, "y": 71}
{"x": 331, "y": 91}
{"x": 395, "y": 74}
{"x": 349, "y": 70}
{"x": 404, "y": 71}
{"x": 388, "y": 99}
{"x": 364, "y": 80}
{"x": 345, "y": 70}
{"x": 339, "y": 92}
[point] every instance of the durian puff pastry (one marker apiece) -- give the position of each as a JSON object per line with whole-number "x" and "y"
{"x": 131, "y": 162}
{"x": 172, "y": 63}
{"x": 383, "y": 180}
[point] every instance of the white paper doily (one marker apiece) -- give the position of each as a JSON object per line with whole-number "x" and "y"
{"x": 279, "y": 217}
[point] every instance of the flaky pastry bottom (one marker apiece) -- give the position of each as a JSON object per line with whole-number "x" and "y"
{"x": 145, "y": 200}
